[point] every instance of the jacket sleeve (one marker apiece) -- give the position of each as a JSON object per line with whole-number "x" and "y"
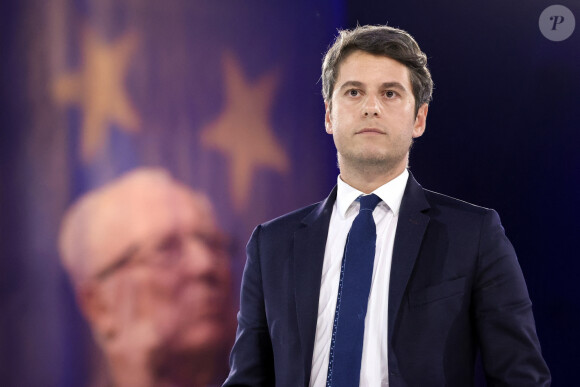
{"x": 251, "y": 359}
{"x": 503, "y": 316}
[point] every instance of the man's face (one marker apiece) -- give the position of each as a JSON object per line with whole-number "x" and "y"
{"x": 174, "y": 292}
{"x": 372, "y": 112}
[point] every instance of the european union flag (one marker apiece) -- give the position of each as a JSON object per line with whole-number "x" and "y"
{"x": 216, "y": 103}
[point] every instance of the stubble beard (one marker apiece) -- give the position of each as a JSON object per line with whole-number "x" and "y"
{"x": 372, "y": 163}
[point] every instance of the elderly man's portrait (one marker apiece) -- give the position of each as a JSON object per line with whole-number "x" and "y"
{"x": 188, "y": 191}
{"x": 152, "y": 274}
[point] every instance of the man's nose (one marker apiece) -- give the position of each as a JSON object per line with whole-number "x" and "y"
{"x": 198, "y": 259}
{"x": 371, "y": 106}
{"x": 201, "y": 259}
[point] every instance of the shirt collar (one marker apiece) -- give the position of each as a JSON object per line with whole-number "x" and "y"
{"x": 390, "y": 193}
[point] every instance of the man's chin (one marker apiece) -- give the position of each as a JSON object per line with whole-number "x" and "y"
{"x": 372, "y": 158}
{"x": 207, "y": 336}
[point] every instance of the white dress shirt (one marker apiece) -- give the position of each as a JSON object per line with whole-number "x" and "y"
{"x": 374, "y": 365}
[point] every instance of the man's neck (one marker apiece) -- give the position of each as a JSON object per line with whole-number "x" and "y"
{"x": 369, "y": 179}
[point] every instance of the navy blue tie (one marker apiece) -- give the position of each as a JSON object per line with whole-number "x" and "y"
{"x": 353, "y": 294}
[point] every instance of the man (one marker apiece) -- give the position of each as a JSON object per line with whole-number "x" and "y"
{"x": 444, "y": 283}
{"x": 152, "y": 274}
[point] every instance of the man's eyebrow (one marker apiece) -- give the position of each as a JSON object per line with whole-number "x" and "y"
{"x": 393, "y": 85}
{"x": 384, "y": 85}
{"x": 348, "y": 84}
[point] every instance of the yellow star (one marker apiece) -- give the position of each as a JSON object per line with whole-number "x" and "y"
{"x": 242, "y": 131}
{"x": 99, "y": 88}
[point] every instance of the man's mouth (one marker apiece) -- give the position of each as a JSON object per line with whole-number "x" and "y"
{"x": 370, "y": 130}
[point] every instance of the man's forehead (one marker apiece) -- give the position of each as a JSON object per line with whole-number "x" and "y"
{"x": 392, "y": 67}
{"x": 148, "y": 218}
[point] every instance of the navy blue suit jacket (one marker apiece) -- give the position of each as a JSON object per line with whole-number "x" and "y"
{"x": 455, "y": 287}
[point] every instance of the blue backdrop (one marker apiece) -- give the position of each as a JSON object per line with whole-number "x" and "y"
{"x": 502, "y": 132}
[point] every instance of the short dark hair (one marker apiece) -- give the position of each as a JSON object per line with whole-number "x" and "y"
{"x": 379, "y": 40}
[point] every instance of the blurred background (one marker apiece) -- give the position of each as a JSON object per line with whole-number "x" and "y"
{"x": 225, "y": 97}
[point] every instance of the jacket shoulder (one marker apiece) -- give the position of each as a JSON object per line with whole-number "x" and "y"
{"x": 440, "y": 201}
{"x": 290, "y": 219}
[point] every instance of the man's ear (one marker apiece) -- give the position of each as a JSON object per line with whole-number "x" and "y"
{"x": 327, "y": 120}
{"x": 420, "y": 121}
{"x": 98, "y": 310}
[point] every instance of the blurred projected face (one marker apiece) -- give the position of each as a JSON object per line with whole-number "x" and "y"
{"x": 171, "y": 290}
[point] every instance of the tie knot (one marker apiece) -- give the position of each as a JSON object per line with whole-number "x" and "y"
{"x": 369, "y": 202}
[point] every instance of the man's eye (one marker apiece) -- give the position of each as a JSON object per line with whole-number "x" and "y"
{"x": 390, "y": 94}
{"x": 353, "y": 93}
{"x": 169, "y": 245}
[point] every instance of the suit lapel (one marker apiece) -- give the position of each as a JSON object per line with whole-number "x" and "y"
{"x": 309, "y": 246}
{"x": 408, "y": 237}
